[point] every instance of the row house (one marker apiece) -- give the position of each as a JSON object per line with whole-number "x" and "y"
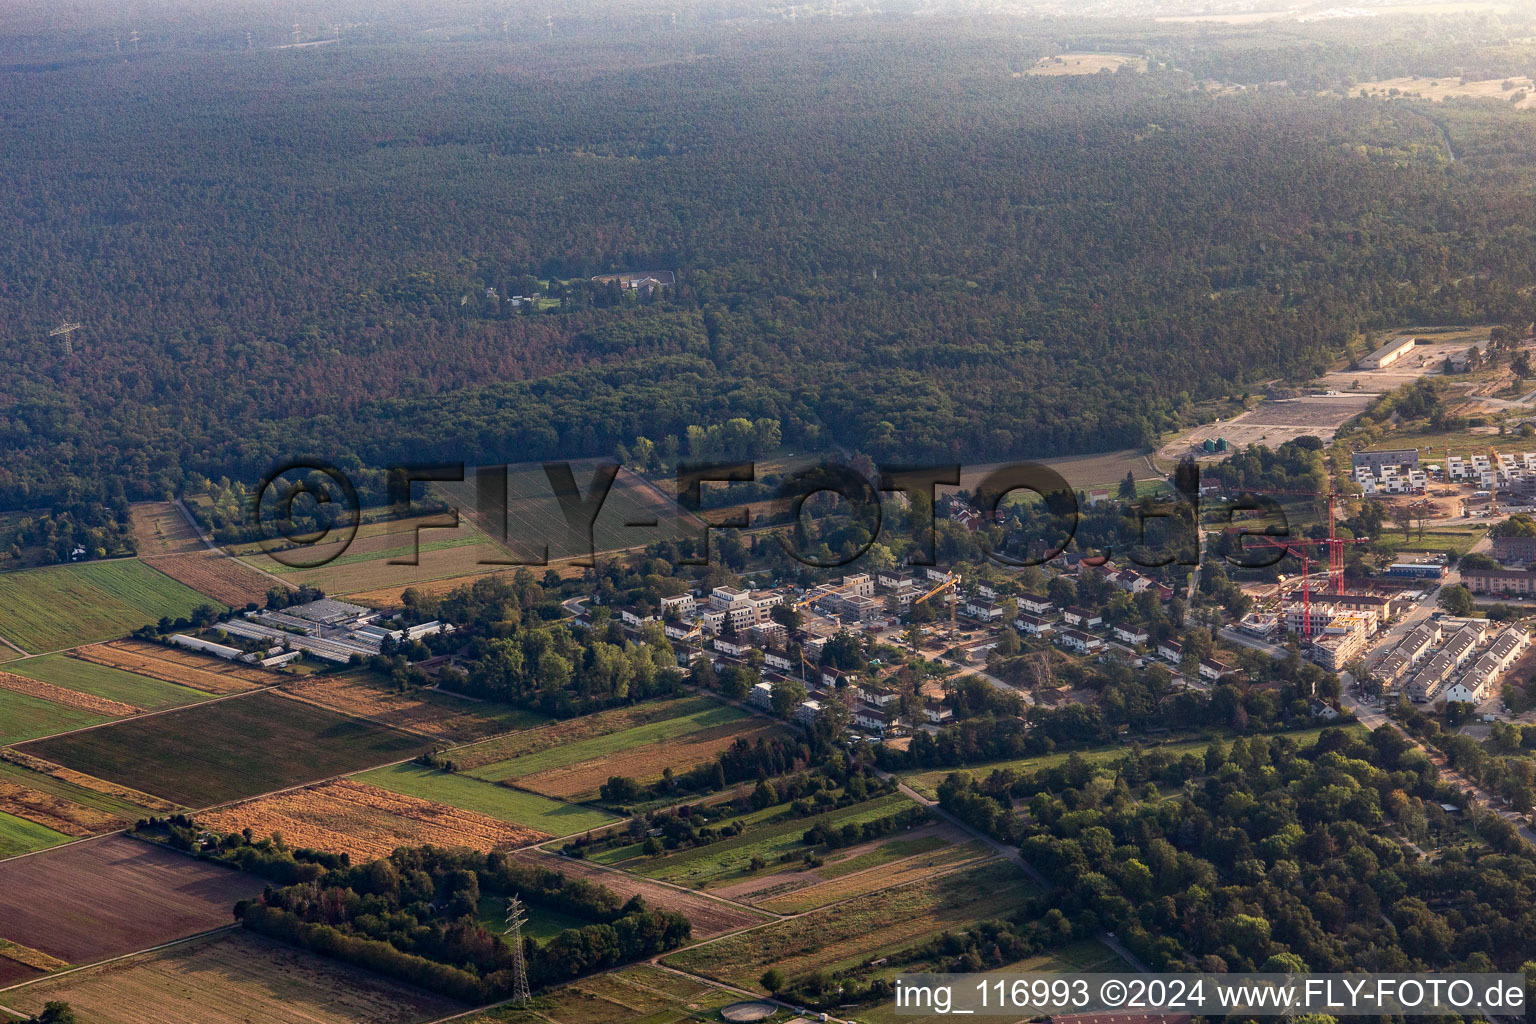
{"x": 875, "y": 695}
{"x": 875, "y": 720}
{"x": 1033, "y": 625}
{"x": 633, "y": 618}
{"x": 1500, "y": 581}
{"x": 1077, "y": 640}
{"x": 1131, "y": 634}
{"x": 1213, "y": 670}
{"x": 1034, "y": 604}
{"x": 778, "y": 660}
{"x": 1081, "y": 617}
{"x": 937, "y": 712}
{"x": 983, "y": 610}
{"x": 731, "y": 646}
{"x": 1170, "y": 650}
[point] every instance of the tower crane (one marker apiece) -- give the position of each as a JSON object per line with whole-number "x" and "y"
{"x": 1297, "y": 547}
{"x": 950, "y": 585}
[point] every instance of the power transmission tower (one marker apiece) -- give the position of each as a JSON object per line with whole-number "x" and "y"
{"x": 248, "y": 45}
{"x": 296, "y": 34}
{"x": 64, "y": 331}
{"x": 117, "y": 42}
{"x": 516, "y": 918}
{"x": 133, "y": 37}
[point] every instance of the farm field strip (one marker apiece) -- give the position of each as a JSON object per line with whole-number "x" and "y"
{"x": 436, "y": 716}
{"x": 704, "y": 866}
{"x": 366, "y": 822}
{"x": 644, "y": 763}
{"x": 226, "y": 580}
{"x": 562, "y": 735}
{"x": 68, "y": 698}
{"x": 184, "y": 668}
{"x": 227, "y": 750}
{"x": 23, "y": 717}
{"x": 103, "y": 803}
{"x": 876, "y": 878}
{"x": 531, "y": 810}
{"x": 84, "y": 676}
{"x": 233, "y": 977}
{"x": 19, "y": 835}
{"x": 62, "y": 606}
{"x": 54, "y": 812}
{"x": 852, "y": 932}
{"x": 36, "y": 773}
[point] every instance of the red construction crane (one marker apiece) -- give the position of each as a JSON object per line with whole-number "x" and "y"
{"x": 1334, "y": 542}
{"x": 1296, "y": 546}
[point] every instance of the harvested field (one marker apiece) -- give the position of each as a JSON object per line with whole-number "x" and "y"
{"x": 226, "y": 750}
{"x": 63, "y": 816}
{"x": 850, "y": 933}
{"x": 63, "y": 605}
{"x": 709, "y": 917}
{"x": 593, "y": 737}
{"x": 33, "y": 958}
{"x": 111, "y": 896}
{"x": 872, "y": 879}
{"x": 159, "y": 528}
{"x": 216, "y": 574}
{"x": 234, "y": 978}
{"x": 508, "y": 749}
{"x": 367, "y": 822}
{"x": 69, "y": 783}
{"x": 69, "y": 698}
{"x": 199, "y": 671}
{"x": 530, "y": 809}
{"x": 105, "y": 681}
{"x": 438, "y": 717}
{"x": 645, "y": 763}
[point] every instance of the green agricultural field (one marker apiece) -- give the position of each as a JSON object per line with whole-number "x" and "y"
{"x": 23, "y": 717}
{"x": 69, "y": 791}
{"x": 67, "y": 605}
{"x": 846, "y": 935}
{"x": 542, "y": 813}
{"x": 18, "y": 836}
{"x": 699, "y": 714}
{"x": 105, "y": 681}
{"x": 213, "y": 753}
{"x": 770, "y": 834}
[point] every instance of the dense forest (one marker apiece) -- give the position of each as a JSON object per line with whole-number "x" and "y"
{"x": 884, "y": 237}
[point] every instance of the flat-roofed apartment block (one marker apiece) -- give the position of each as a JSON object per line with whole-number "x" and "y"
{"x": 1500, "y": 581}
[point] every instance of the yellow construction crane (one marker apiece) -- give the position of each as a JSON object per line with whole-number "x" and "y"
{"x": 949, "y": 584}
{"x": 817, "y": 594}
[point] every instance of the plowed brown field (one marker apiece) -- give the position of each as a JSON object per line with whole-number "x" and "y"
{"x": 367, "y": 822}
